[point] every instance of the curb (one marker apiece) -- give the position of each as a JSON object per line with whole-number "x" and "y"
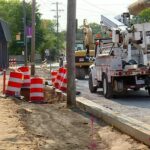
{"x": 137, "y": 129}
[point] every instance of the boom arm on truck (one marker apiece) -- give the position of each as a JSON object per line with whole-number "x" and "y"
{"x": 87, "y": 37}
{"x": 82, "y": 62}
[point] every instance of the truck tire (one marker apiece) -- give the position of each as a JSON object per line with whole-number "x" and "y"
{"x": 107, "y": 87}
{"x": 148, "y": 91}
{"x": 93, "y": 89}
{"x": 80, "y": 73}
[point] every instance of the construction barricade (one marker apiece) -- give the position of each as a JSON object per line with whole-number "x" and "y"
{"x": 36, "y": 90}
{"x": 14, "y": 84}
{"x": 26, "y": 72}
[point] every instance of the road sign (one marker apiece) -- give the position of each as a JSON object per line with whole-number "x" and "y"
{"x": 20, "y": 42}
{"x": 29, "y": 32}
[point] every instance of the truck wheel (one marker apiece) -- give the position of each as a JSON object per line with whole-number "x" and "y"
{"x": 92, "y": 88}
{"x": 107, "y": 87}
{"x": 80, "y": 73}
{"x": 148, "y": 91}
{"x": 136, "y": 89}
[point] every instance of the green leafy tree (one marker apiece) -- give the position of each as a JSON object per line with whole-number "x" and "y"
{"x": 95, "y": 27}
{"x": 50, "y": 39}
{"x": 142, "y": 17}
{"x": 145, "y": 15}
{"x": 45, "y": 34}
{"x": 12, "y": 12}
{"x": 95, "y": 30}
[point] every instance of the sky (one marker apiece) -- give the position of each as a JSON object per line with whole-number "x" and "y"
{"x": 86, "y": 9}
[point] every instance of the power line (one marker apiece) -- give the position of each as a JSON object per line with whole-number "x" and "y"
{"x": 57, "y": 14}
{"x": 97, "y": 7}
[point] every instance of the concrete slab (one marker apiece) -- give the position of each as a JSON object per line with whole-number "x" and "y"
{"x": 128, "y": 125}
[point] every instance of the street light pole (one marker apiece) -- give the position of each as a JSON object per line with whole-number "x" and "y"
{"x": 33, "y": 39}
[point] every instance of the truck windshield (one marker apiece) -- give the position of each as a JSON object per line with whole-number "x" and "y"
{"x": 79, "y": 46}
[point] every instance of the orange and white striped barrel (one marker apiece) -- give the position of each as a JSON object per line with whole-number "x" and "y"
{"x": 14, "y": 62}
{"x": 36, "y": 90}
{"x": 59, "y": 77}
{"x": 26, "y": 72}
{"x": 1, "y": 71}
{"x": 10, "y": 62}
{"x": 14, "y": 84}
{"x": 63, "y": 85}
{"x": 53, "y": 75}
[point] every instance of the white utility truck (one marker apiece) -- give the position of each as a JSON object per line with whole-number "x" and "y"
{"x": 123, "y": 61}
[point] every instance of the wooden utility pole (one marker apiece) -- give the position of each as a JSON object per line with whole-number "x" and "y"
{"x": 57, "y": 16}
{"x": 33, "y": 40}
{"x": 71, "y": 36}
{"x": 25, "y": 33}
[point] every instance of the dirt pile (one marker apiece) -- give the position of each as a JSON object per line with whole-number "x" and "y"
{"x": 13, "y": 136}
{"x": 27, "y": 126}
{"x": 56, "y": 127}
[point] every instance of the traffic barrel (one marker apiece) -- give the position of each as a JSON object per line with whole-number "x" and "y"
{"x": 10, "y": 62}
{"x": 26, "y": 72}
{"x": 53, "y": 75}
{"x": 14, "y": 62}
{"x": 59, "y": 77}
{"x": 36, "y": 90}
{"x": 63, "y": 85}
{"x": 1, "y": 71}
{"x": 14, "y": 84}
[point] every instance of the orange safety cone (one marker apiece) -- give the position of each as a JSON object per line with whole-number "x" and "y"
{"x": 26, "y": 72}
{"x": 14, "y": 84}
{"x": 37, "y": 90}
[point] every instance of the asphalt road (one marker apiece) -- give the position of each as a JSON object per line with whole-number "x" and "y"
{"x": 133, "y": 104}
